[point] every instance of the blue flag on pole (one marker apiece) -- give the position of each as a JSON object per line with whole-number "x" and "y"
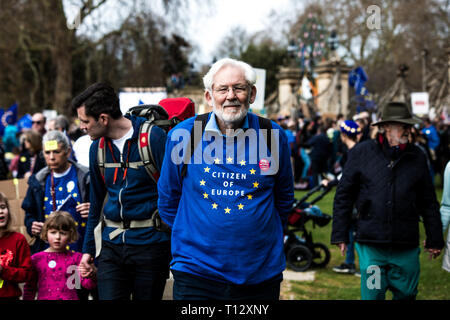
{"x": 24, "y": 122}
{"x": 10, "y": 115}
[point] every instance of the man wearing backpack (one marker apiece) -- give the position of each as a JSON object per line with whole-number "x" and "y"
{"x": 227, "y": 207}
{"x": 134, "y": 257}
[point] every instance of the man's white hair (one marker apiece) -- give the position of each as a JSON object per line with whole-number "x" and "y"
{"x": 250, "y": 75}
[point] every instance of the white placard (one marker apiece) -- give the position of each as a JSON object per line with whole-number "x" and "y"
{"x": 260, "y": 88}
{"x": 131, "y": 99}
{"x": 419, "y": 103}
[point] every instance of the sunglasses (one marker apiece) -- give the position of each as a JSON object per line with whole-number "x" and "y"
{"x": 37, "y": 122}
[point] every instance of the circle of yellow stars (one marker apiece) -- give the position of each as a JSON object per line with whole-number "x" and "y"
{"x": 229, "y": 160}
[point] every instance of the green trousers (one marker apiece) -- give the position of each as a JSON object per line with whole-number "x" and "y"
{"x": 384, "y": 268}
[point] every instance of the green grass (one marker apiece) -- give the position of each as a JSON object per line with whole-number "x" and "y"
{"x": 434, "y": 283}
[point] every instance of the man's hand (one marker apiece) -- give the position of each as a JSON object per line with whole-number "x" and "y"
{"x": 86, "y": 266}
{"x": 434, "y": 253}
{"x": 342, "y": 247}
{"x": 83, "y": 209}
{"x": 36, "y": 228}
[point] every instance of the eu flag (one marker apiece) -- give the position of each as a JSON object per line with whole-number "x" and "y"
{"x": 10, "y": 115}
{"x": 24, "y": 122}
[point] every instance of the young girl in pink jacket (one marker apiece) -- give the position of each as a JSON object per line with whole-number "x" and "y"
{"x": 56, "y": 275}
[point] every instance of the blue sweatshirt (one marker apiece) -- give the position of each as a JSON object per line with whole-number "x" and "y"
{"x": 132, "y": 198}
{"x": 227, "y": 214}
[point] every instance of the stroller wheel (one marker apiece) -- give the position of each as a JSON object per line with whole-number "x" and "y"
{"x": 299, "y": 258}
{"x": 320, "y": 256}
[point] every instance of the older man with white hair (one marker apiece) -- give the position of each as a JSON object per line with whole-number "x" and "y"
{"x": 227, "y": 198}
{"x": 388, "y": 182}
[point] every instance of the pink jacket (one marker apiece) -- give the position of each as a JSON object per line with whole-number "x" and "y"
{"x": 55, "y": 277}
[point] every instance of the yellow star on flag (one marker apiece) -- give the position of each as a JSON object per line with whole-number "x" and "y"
{"x": 252, "y": 171}
{"x": 249, "y": 197}
{"x": 214, "y": 205}
{"x": 205, "y": 196}
{"x": 255, "y": 184}
{"x": 216, "y": 160}
{"x": 207, "y": 169}
{"x": 242, "y": 162}
{"x": 229, "y": 160}
{"x": 227, "y": 210}
{"x": 241, "y": 206}
{"x": 202, "y": 183}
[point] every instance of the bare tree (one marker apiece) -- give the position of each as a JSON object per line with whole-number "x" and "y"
{"x": 41, "y": 51}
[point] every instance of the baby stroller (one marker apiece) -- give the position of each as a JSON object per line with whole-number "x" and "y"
{"x": 302, "y": 252}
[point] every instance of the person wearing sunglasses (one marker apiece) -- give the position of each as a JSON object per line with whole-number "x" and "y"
{"x": 38, "y": 123}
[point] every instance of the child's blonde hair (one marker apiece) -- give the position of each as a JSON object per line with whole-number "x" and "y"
{"x": 3, "y": 198}
{"x": 61, "y": 221}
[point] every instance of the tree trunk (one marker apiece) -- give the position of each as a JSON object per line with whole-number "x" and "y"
{"x": 63, "y": 83}
{"x": 62, "y": 56}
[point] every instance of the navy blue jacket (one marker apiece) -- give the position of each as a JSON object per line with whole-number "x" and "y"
{"x": 132, "y": 198}
{"x": 390, "y": 195}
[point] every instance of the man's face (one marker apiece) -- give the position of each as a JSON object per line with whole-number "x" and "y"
{"x": 231, "y": 95}
{"x": 94, "y": 128}
{"x": 397, "y": 133}
{"x": 57, "y": 159}
{"x": 38, "y": 122}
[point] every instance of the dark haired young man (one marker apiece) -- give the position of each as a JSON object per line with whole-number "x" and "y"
{"x": 134, "y": 257}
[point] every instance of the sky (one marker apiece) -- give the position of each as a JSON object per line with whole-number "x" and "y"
{"x": 209, "y": 29}
{"x": 205, "y": 25}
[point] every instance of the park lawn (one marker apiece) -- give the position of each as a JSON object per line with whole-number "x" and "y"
{"x": 434, "y": 283}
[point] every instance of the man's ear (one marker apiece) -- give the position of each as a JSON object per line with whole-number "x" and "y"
{"x": 252, "y": 94}
{"x": 208, "y": 97}
{"x": 103, "y": 118}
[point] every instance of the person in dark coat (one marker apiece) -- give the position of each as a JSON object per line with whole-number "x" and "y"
{"x": 388, "y": 181}
{"x": 321, "y": 149}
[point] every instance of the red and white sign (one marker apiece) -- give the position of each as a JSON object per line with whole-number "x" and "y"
{"x": 419, "y": 103}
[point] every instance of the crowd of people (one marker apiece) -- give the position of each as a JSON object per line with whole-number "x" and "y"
{"x": 318, "y": 150}
{"x": 104, "y": 226}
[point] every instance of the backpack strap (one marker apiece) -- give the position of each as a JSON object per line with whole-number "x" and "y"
{"x": 101, "y": 157}
{"x": 201, "y": 119}
{"x": 266, "y": 124}
{"x": 145, "y": 150}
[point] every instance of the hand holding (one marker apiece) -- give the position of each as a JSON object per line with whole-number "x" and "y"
{"x": 36, "y": 228}
{"x": 83, "y": 209}
{"x": 86, "y": 267}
